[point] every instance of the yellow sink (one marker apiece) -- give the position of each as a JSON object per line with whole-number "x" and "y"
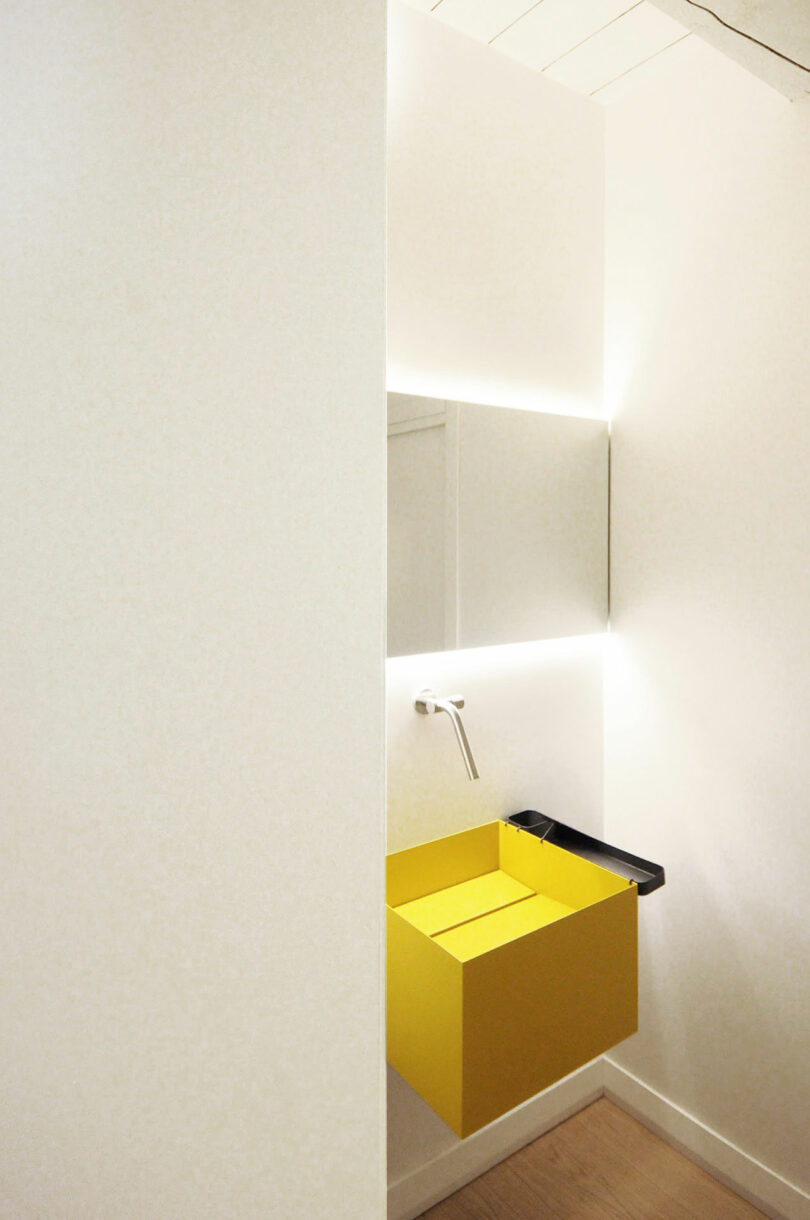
{"x": 511, "y": 962}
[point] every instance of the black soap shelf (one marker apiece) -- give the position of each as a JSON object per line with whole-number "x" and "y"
{"x": 647, "y": 876}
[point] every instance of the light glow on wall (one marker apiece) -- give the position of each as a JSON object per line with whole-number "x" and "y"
{"x": 496, "y": 394}
{"x": 621, "y": 360}
{"x": 497, "y": 657}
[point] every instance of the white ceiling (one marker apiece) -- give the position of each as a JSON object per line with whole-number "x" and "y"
{"x": 783, "y": 25}
{"x": 591, "y": 45}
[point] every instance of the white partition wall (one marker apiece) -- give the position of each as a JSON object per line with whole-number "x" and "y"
{"x": 191, "y": 846}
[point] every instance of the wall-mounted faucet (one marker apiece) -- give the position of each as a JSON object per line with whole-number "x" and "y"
{"x": 427, "y": 703}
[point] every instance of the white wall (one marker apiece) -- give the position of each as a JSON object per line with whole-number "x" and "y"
{"x": 534, "y": 719}
{"x": 193, "y": 355}
{"x": 495, "y": 294}
{"x": 708, "y": 677}
{"x": 495, "y": 238}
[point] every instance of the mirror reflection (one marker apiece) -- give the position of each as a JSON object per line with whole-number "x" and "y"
{"x": 497, "y": 525}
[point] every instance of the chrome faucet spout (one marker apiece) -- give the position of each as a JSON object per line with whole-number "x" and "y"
{"x": 461, "y": 736}
{"x": 426, "y": 703}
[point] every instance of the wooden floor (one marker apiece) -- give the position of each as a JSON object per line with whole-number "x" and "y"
{"x": 599, "y": 1165}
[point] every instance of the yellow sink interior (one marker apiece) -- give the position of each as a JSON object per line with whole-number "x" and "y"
{"x": 481, "y": 914}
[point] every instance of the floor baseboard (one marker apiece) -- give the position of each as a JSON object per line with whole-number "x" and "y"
{"x": 468, "y": 1159}
{"x": 753, "y": 1181}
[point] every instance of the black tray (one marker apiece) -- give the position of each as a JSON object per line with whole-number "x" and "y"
{"x": 647, "y": 876}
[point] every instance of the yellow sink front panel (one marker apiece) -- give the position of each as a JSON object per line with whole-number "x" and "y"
{"x": 511, "y": 962}
{"x": 547, "y": 1003}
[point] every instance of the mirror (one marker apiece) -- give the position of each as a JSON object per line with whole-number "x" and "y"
{"x": 497, "y": 525}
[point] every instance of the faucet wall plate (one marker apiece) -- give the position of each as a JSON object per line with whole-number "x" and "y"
{"x": 425, "y": 702}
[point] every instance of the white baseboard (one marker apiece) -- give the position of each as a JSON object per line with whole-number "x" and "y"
{"x": 447, "y": 1173}
{"x": 468, "y": 1159}
{"x": 750, "y": 1179}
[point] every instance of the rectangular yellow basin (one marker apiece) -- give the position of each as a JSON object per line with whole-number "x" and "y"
{"x": 511, "y": 962}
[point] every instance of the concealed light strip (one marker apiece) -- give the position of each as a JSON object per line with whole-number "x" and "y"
{"x": 516, "y": 20}
{"x": 492, "y": 394}
{"x": 654, "y": 55}
{"x": 590, "y": 36}
{"x": 750, "y": 37}
{"x": 452, "y": 663}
